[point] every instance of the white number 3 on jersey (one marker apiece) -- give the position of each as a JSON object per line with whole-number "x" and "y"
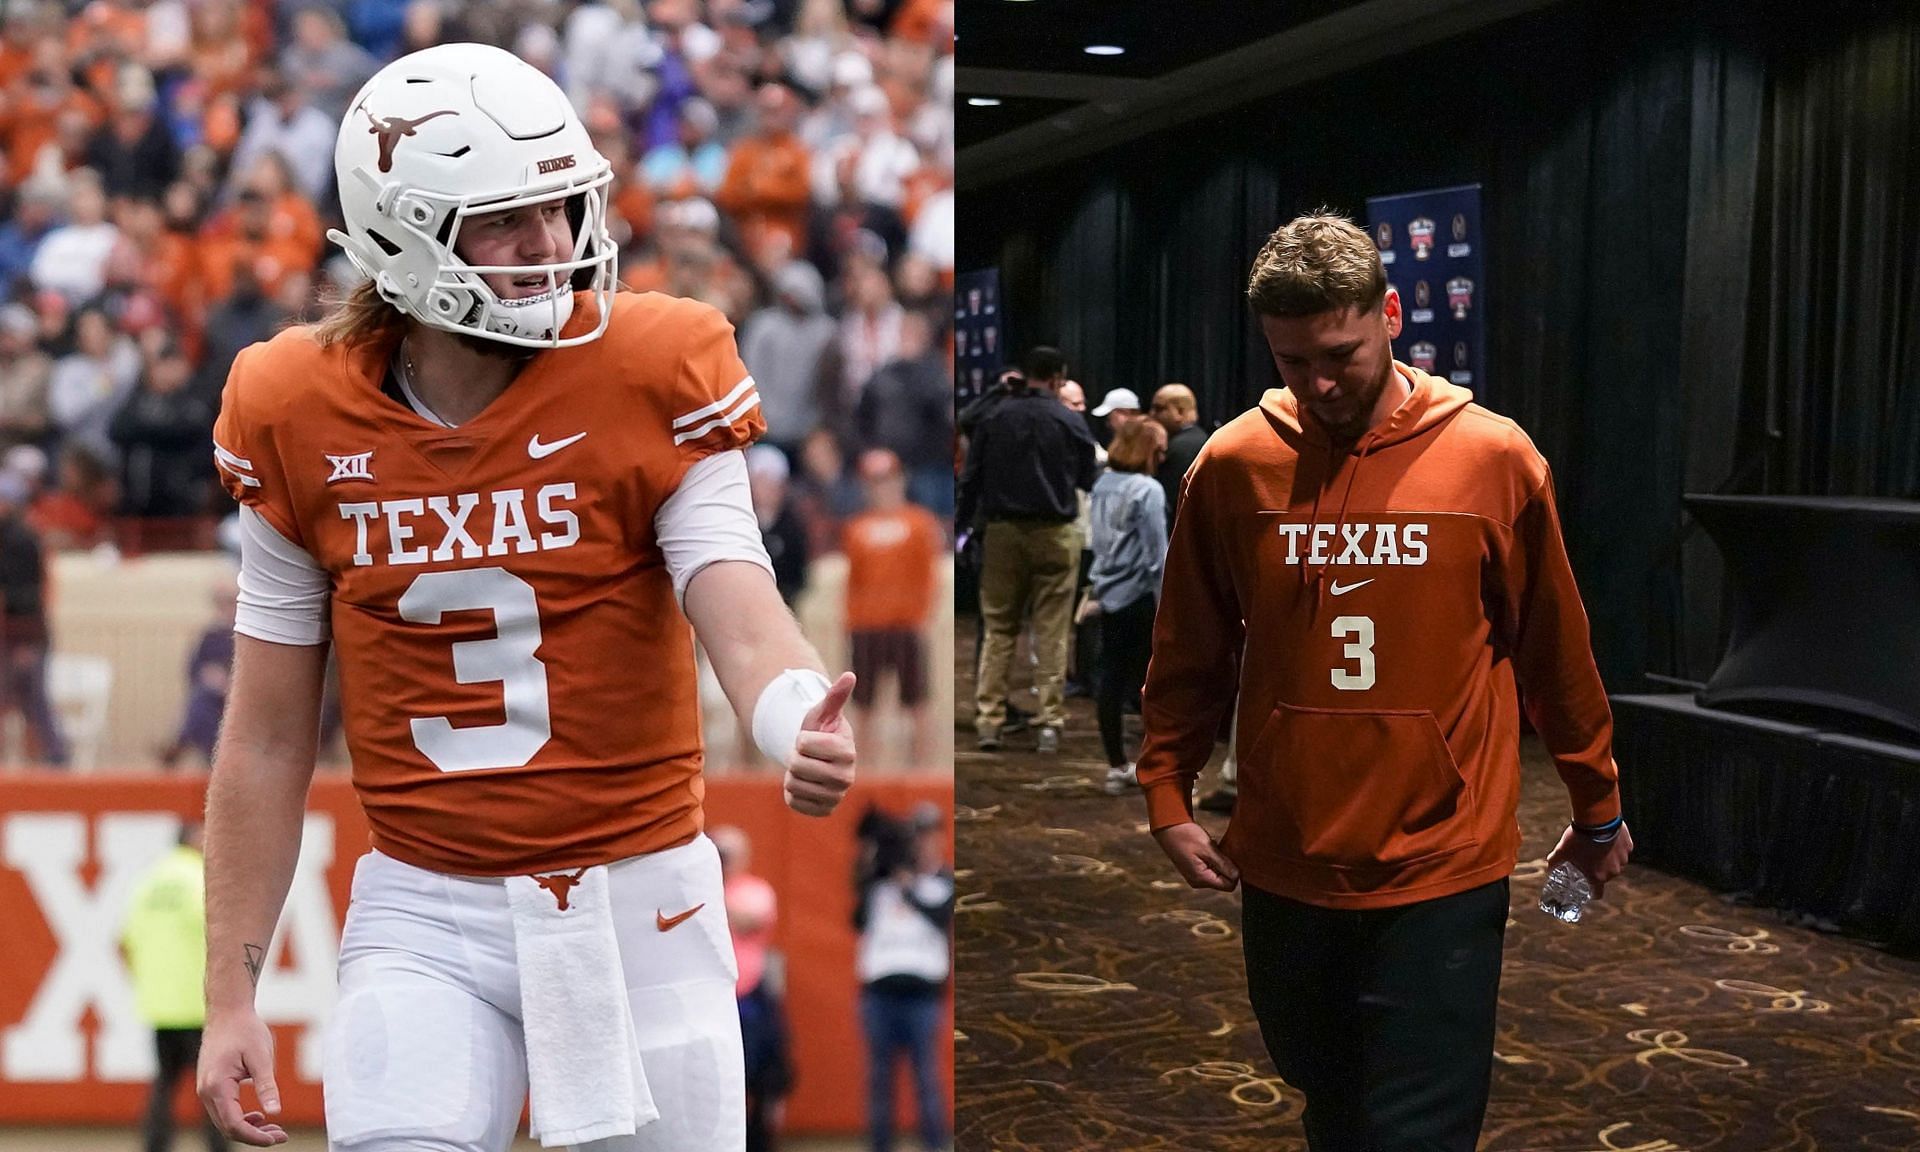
{"x": 1360, "y": 650}
{"x": 507, "y": 657}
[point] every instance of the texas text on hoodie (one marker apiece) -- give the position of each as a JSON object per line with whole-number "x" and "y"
{"x": 1391, "y": 598}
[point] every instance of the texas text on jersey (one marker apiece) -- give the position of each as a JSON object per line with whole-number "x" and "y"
{"x": 499, "y": 599}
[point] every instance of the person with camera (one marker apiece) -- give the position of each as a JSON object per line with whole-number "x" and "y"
{"x": 904, "y": 913}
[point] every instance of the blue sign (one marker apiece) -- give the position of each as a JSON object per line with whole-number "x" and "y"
{"x": 1431, "y": 244}
{"x": 979, "y": 332}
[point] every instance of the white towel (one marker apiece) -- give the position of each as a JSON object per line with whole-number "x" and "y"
{"x": 583, "y": 1056}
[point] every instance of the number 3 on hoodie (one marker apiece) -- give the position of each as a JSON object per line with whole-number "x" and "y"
{"x": 1360, "y": 649}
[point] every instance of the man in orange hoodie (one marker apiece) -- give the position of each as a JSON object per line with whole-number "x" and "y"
{"x": 1387, "y": 556}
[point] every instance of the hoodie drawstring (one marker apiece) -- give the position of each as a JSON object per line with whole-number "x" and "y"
{"x": 1340, "y": 521}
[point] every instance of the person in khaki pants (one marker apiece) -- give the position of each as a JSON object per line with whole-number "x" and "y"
{"x": 1025, "y": 466}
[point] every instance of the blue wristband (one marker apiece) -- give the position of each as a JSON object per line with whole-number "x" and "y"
{"x": 1600, "y": 833}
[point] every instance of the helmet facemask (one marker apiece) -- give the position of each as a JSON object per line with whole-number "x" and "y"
{"x": 460, "y": 300}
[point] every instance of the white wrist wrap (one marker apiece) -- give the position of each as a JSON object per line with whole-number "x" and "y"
{"x": 781, "y": 709}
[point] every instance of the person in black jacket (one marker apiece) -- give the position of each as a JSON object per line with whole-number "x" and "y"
{"x": 907, "y": 407}
{"x": 1027, "y": 463}
{"x": 164, "y": 432}
{"x": 1174, "y": 406}
{"x": 23, "y": 625}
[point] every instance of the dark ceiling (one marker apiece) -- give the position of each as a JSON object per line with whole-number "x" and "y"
{"x": 1158, "y": 35}
{"x": 1032, "y": 97}
{"x": 1031, "y": 54}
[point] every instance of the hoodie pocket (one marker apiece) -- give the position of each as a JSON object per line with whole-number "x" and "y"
{"x": 1353, "y": 789}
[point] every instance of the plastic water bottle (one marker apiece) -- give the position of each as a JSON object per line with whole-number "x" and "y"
{"x": 1566, "y": 893}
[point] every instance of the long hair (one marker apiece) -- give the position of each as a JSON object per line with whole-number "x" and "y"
{"x": 359, "y": 318}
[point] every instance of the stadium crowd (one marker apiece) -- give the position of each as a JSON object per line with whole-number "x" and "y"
{"x": 166, "y": 183}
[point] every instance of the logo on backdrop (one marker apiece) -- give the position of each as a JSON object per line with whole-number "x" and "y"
{"x": 1459, "y": 225}
{"x": 1422, "y": 295}
{"x": 1383, "y": 235}
{"x": 1460, "y": 296}
{"x": 1420, "y": 234}
{"x": 1460, "y": 357}
{"x": 1423, "y": 356}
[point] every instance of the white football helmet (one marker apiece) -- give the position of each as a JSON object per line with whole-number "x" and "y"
{"x": 460, "y": 130}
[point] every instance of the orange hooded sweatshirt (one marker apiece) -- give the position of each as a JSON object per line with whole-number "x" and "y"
{"x": 1394, "y": 603}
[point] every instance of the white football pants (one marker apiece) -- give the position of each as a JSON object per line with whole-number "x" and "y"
{"x": 425, "y": 1051}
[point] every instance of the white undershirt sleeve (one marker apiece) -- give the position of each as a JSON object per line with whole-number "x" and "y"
{"x": 709, "y": 518}
{"x": 283, "y": 591}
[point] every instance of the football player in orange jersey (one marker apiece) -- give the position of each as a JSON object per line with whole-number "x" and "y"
{"x": 502, "y": 492}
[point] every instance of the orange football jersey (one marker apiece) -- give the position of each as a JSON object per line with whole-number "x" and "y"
{"x": 517, "y": 680}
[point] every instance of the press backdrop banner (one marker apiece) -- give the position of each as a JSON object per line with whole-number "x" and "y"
{"x": 979, "y": 330}
{"x": 1431, "y": 245}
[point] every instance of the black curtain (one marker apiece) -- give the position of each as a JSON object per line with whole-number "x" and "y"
{"x": 1703, "y": 243}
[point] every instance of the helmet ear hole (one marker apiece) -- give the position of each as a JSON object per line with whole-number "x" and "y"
{"x": 386, "y": 245}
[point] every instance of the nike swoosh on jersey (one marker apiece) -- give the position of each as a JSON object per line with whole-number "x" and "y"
{"x": 541, "y": 451}
{"x": 668, "y": 923}
{"x": 1339, "y": 589}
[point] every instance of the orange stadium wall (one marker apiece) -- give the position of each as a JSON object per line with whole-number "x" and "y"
{"x": 73, "y": 1050}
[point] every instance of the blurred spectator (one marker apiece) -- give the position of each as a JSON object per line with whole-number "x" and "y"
{"x": 824, "y": 491}
{"x": 33, "y": 108}
{"x": 752, "y": 909}
{"x": 916, "y": 285}
{"x": 283, "y": 120}
{"x": 870, "y": 331}
{"x": 932, "y": 235}
{"x": 907, "y": 408}
{"x": 24, "y": 371}
{"x": 790, "y": 348}
{"x": 164, "y": 941}
{"x": 891, "y": 549}
{"x": 72, "y": 259}
{"x": 74, "y": 513}
{"x": 133, "y": 151}
{"x": 208, "y": 671}
{"x": 241, "y": 251}
{"x": 90, "y": 383}
{"x": 631, "y": 201}
{"x": 780, "y": 528}
{"x": 37, "y": 209}
{"x": 23, "y": 625}
{"x": 163, "y": 433}
{"x": 869, "y": 166}
{"x": 322, "y": 62}
{"x": 904, "y": 914}
{"x": 766, "y": 185}
{"x": 694, "y": 162}
{"x": 245, "y": 317}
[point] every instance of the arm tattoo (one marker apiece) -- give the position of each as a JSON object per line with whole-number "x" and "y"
{"x": 256, "y": 960}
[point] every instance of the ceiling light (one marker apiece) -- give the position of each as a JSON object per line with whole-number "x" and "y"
{"x": 1104, "y": 50}
{"x": 983, "y": 102}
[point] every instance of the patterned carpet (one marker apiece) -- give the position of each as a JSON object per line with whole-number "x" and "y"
{"x": 1101, "y": 1004}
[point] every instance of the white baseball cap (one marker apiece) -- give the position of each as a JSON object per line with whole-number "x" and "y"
{"x": 1118, "y": 398}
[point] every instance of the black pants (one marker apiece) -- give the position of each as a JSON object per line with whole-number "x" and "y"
{"x": 1126, "y": 640}
{"x": 1382, "y": 1018}
{"x": 178, "y": 1050}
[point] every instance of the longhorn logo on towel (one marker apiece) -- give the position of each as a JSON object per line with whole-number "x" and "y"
{"x": 560, "y": 884}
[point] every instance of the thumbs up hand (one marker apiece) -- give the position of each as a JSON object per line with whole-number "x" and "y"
{"x": 821, "y": 769}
